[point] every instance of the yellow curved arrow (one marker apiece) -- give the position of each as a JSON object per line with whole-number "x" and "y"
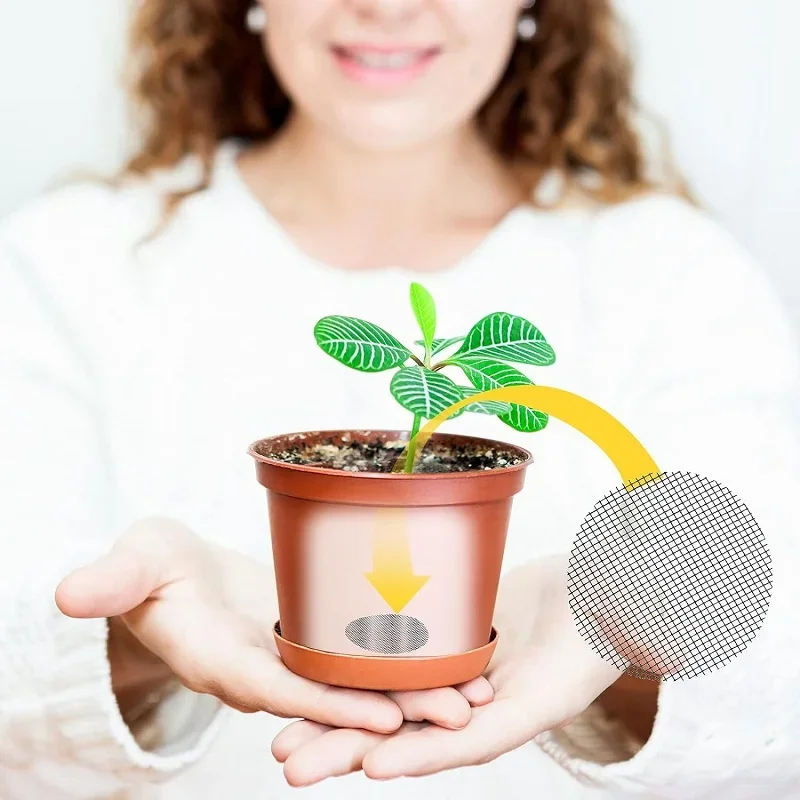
{"x": 633, "y": 462}
{"x": 393, "y": 575}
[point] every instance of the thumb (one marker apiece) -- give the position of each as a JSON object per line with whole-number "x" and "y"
{"x": 659, "y": 659}
{"x": 113, "y": 585}
{"x": 150, "y": 554}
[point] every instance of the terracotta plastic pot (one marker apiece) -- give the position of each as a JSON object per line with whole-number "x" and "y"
{"x": 386, "y": 581}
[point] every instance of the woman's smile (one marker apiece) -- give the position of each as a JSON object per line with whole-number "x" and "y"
{"x": 385, "y": 67}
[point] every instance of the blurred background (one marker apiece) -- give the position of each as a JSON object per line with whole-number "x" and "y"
{"x": 723, "y": 74}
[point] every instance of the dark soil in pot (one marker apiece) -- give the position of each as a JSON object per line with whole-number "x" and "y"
{"x": 377, "y": 455}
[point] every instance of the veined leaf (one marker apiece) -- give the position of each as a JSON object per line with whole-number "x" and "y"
{"x": 425, "y": 311}
{"x": 423, "y": 391}
{"x": 524, "y": 419}
{"x": 359, "y": 344}
{"x": 486, "y": 374}
{"x": 491, "y": 407}
{"x": 507, "y": 337}
{"x": 441, "y": 344}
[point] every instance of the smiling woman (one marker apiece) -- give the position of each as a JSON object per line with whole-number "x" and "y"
{"x": 392, "y": 79}
{"x": 313, "y": 158}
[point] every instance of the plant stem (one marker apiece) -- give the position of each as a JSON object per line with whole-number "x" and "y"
{"x": 441, "y": 365}
{"x": 420, "y": 363}
{"x": 412, "y": 445}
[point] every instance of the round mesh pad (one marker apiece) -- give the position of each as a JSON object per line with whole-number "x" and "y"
{"x": 671, "y": 579}
{"x": 389, "y": 634}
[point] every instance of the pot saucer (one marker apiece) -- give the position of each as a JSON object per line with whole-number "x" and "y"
{"x": 382, "y": 673}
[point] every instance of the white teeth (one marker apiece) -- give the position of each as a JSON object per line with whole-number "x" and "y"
{"x": 385, "y": 60}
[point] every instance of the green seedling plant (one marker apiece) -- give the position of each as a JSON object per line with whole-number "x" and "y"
{"x": 484, "y": 357}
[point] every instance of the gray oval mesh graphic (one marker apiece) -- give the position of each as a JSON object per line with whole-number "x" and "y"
{"x": 389, "y": 634}
{"x": 671, "y": 579}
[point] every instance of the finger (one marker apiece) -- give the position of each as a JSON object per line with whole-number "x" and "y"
{"x": 338, "y": 752}
{"x": 268, "y": 685}
{"x": 113, "y": 585}
{"x": 143, "y": 560}
{"x": 240, "y": 709}
{"x": 493, "y": 730}
{"x": 445, "y": 707}
{"x": 657, "y": 658}
{"x": 295, "y": 736}
{"x": 211, "y": 651}
{"x": 478, "y": 692}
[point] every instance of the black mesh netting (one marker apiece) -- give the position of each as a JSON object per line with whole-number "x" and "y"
{"x": 387, "y": 633}
{"x": 671, "y": 579}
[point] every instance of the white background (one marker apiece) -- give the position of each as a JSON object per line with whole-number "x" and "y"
{"x": 725, "y": 75}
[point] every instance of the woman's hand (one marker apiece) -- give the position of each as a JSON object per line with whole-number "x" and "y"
{"x": 543, "y": 675}
{"x": 181, "y": 607}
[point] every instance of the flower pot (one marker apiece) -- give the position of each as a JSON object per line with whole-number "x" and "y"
{"x": 387, "y": 581}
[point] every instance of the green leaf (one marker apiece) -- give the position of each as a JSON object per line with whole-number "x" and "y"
{"x": 524, "y": 419}
{"x": 359, "y": 344}
{"x": 486, "y": 374}
{"x": 491, "y": 407}
{"x": 423, "y": 391}
{"x": 425, "y": 312}
{"x": 437, "y": 345}
{"x": 507, "y": 337}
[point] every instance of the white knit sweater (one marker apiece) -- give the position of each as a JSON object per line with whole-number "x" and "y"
{"x": 132, "y": 380}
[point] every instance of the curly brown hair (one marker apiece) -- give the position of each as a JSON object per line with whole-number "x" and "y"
{"x": 565, "y": 102}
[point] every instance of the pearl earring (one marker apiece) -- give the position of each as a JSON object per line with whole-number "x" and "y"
{"x": 256, "y": 18}
{"x": 526, "y": 25}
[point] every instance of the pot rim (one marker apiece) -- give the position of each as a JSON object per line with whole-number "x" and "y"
{"x": 393, "y": 476}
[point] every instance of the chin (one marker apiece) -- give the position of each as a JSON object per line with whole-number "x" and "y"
{"x": 381, "y": 140}
{"x": 389, "y": 132}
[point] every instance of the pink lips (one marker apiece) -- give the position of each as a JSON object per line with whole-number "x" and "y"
{"x": 383, "y": 67}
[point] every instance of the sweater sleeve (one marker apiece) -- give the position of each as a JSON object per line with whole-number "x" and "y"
{"x": 698, "y": 360}
{"x": 61, "y": 732}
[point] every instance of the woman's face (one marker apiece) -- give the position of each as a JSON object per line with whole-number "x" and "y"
{"x": 388, "y": 74}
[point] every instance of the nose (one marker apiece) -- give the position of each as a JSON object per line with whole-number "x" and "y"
{"x": 387, "y": 10}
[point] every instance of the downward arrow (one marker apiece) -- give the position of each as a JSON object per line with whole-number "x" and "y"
{"x": 392, "y": 574}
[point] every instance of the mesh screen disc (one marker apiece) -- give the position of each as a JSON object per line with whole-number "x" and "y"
{"x": 389, "y": 634}
{"x": 671, "y": 579}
